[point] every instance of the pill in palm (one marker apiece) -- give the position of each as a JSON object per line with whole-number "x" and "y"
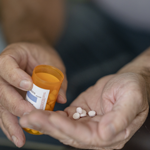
{"x": 82, "y": 115}
{"x": 79, "y": 110}
{"x": 76, "y": 115}
{"x": 92, "y": 113}
{"x": 83, "y": 111}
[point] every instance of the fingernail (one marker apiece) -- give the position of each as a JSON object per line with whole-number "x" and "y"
{"x": 15, "y": 140}
{"x": 26, "y": 85}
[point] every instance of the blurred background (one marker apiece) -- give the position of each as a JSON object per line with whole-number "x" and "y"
{"x": 92, "y": 45}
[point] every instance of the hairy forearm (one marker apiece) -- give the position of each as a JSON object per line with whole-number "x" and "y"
{"x": 141, "y": 66}
{"x": 32, "y": 20}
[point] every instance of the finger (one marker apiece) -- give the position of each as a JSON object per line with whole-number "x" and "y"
{"x": 10, "y": 123}
{"x": 82, "y": 134}
{"x": 13, "y": 74}
{"x": 38, "y": 120}
{"x": 132, "y": 128}
{"x": 4, "y": 130}
{"x": 71, "y": 128}
{"x": 13, "y": 101}
{"x": 126, "y": 134}
{"x": 118, "y": 140}
{"x": 47, "y": 126}
{"x": 60, "y": 130}
{"x": 120, "y": 117}
{"x": 62, "y": 92}
{"x": 61, "y": 113}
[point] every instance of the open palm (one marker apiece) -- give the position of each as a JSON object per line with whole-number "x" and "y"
{"x": 121, "y": 105}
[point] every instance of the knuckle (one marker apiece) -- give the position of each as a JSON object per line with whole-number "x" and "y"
{"x": 14, "y": 108}
{"x": 1, "y": 110}
{"x": 9, "y": 127}
{"x": 13, "y": 77}
{"x": 7, "y": 124}
{"x": 34, "y": 116}
{"x": 9, "y": 73}
{"x": 3, "y": 116}
{"x": 3, "y": 60}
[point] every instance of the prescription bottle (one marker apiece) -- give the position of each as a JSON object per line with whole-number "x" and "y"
{"x": 47, "y": 81}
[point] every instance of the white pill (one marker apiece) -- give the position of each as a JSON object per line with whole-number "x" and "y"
{"x": 83, "y": 111}
{"x": 76, "y": 116}
{"x": 92, "y": 113}
{"x": 83, "y": 115}
{"x": 79, "y": 110}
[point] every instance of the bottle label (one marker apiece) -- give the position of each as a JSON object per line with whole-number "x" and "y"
{"x": 38, "y": 97}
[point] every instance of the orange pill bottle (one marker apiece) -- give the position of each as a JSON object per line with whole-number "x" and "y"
{"x": 47, "y": 81}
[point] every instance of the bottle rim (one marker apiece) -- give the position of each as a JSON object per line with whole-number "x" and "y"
{"x": 48, "y": 67}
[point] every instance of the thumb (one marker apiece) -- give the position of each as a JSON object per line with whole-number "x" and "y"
{"x": 124, "y": 111}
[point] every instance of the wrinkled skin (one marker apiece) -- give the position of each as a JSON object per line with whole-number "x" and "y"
{"x": 17, "y": 62}
{"x": 120, "y": 102}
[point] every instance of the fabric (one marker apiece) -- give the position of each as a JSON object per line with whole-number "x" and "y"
{"x": 134, "y": 13}
{"x": 94, "y": 46}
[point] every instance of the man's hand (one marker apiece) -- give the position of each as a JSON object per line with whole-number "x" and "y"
{"x": 17, "y": 62}
{"x": 121, "y": 104}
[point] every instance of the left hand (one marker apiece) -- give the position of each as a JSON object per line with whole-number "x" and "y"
{"x": 120, "y": 102}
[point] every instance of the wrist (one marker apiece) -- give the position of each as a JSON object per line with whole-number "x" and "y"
{"x": 143, "y": 72}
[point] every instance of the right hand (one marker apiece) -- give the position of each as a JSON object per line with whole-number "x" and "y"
{"x": 121, "y": 105}
{"x": 17, "y": 62}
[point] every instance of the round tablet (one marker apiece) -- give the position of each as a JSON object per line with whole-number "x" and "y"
{"x": 79, "y": 110}
{"x": 83, "y": 111}
{"x": 92, "y": 113}
{"x": 83, "y": 115}
{"x": 76, "y": 116}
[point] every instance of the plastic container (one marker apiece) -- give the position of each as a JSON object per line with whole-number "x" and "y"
{"x": 47, "y": 81}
